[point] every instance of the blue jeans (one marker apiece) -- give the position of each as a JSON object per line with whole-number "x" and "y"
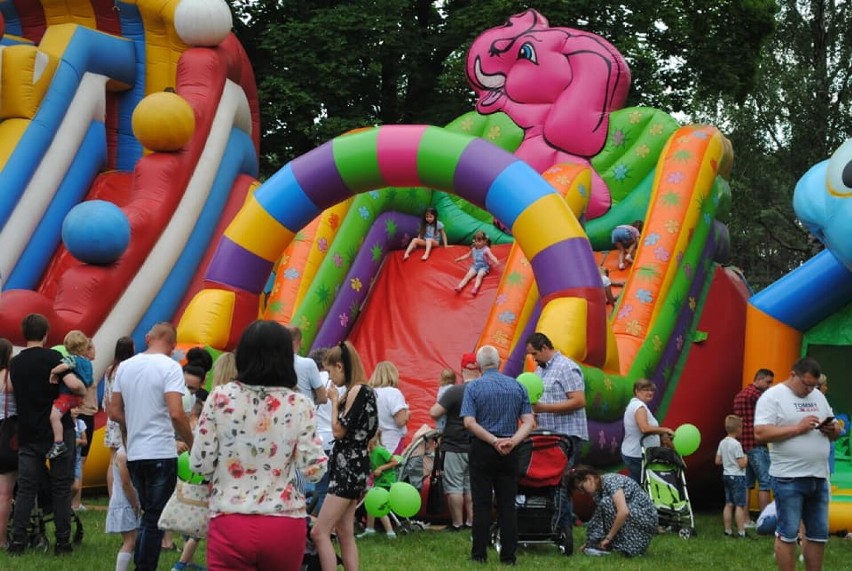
{"x": 805, "y": 500}
{"x": 320, "y": 490}
{"x": 154, "y": 481}
{"x": 634, "y": 467}
{"x": 757, "y": 469}
{"x": 735, "y": 490}
{"x": 31, "y": 469}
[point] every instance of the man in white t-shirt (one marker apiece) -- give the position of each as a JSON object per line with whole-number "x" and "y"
{"x": 799, "y": 424}
{"x": 147, "y": 402}
{"x": 308, "y": 379}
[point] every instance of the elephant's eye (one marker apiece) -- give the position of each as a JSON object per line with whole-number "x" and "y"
{"x": 840, "y": 171}
{"x": 527, "y": 51}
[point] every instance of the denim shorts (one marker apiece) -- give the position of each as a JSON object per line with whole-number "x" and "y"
{"x": 758, "y": 469}
{"x": 735, "y": 490}
{"x": 622, "y": 235}
{"x": 801, "y": 499}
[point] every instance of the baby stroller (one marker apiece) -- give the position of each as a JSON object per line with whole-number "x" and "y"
{"x": 422, "y": 465}
{"x": 544, "y": 458}
{"x": 664, "y": 478}
{"x": 42, "y": 514}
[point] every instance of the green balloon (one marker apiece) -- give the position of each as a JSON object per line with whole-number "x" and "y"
{"x": 533, "y": 384}
{"x": 377, "y": 502}
{"x": 404, "y": 499}
{"x": 686, "y": 439}
{"x": 184, "y": 472}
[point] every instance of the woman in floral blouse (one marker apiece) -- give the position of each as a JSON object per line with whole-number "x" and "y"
{"x": 253, "y": 435}
{"x": 354, "y": 421}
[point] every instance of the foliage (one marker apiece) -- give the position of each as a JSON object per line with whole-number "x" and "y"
{"x": 798, "y": 113}
{"x": 328, "y": 66}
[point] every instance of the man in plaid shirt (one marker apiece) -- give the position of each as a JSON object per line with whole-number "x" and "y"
{"x": 562, "y": 406}
{"x": 758, "y": 454}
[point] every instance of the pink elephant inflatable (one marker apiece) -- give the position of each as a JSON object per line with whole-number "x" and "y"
{"x": 558, "y": 84}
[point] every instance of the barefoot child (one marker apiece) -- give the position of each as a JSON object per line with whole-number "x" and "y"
{"x": 431, "y": 234}
{"x": 384, "y": 476}
{"x": 76, "y": 362}
{"x": 626, "y": 238}
{"x": 123, "y": 512}
{"x": 482, "y": 255}
{"x": 733, "y": 460}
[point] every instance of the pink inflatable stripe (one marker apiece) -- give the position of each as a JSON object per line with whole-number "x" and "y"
{"x": 397, "y": 154}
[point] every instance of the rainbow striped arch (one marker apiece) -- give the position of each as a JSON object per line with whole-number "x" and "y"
{"x": 421, "y": 155}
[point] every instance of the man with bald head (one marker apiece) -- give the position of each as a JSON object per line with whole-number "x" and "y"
{"x": 147, "y": 402}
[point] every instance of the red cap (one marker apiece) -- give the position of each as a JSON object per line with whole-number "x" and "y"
{"x": 467, "y": 360}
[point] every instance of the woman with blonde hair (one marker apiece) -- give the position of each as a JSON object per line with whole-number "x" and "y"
{"x": 354, "y": 422}
{"x": 224, "y": 370}
{"x": 393, "y": 410}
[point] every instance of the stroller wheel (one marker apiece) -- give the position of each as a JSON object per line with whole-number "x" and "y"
{"x": 40, "y": 543}
{"x": 565, "y": 542}
{"x": 495, "y": 540}
{"x": 685, "y": 532}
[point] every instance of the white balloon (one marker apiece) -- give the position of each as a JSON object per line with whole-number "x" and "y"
{"x": 203, "y": 23}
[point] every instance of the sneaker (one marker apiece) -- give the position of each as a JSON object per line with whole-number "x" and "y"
{"x": 57, "y": 450}
{"x": 729, "y": 534}
{"x": 80, "y": 508}
{"x": 595, "y": 552}
{"x": 390, "y": 535}
{"x": 454, "y": 528}
{"x": 63, "y": 548}
{"x": 179, "y": 566}
{"x": 750, "y": 525}
{"x": 367, "y": 532}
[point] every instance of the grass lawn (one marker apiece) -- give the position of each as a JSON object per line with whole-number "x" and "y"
{"x": 436, "y": 550}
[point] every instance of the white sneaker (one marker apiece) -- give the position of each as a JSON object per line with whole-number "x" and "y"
{"x": 595, "y": 552}
{"x": 390, "y": 535}
{"x": 366, "y": 532}
{"x": 750, "y": 525}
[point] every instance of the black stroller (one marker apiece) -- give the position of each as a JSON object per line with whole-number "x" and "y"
{"x": 544, "y": 459}
{"x": 664, "y": 478}
{"x": 42, "y": 514}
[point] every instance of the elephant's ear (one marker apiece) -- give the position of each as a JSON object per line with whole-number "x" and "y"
{"x": 528, "y": 20}
{"x": 579, "y": 119}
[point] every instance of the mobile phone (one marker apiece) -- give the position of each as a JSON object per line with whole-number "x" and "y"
{"x": 825, "y": 422}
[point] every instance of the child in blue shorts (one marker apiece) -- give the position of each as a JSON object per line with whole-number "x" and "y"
{"x": 733, "y": 460}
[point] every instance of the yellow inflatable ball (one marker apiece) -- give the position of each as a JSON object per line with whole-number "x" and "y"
{"x": 163, "y": 122}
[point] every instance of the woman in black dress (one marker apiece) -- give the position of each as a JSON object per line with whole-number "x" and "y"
{"x": 354, "y": 421}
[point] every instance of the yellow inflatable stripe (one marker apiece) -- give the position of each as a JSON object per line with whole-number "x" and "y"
{"x": 163, "y": 47}
{"x": 70, "y": 11}
{"x": 543, "y": 223}
{"x": 56, "y": 39}
{"x": 564, "y": 321}
{"x": 22, "y": 92}
{"x": 11, "y": 131}
{"x": 258, "y": 232}
{"x": 203, "y": 323}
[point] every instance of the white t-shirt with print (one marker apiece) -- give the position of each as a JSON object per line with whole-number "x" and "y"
{"x": 143, "y": 381}
{"x": 805, "y": 455}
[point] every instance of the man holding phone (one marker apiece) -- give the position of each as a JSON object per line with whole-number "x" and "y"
{"x": 799, "y": 423}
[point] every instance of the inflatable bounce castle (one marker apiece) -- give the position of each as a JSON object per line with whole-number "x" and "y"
{"x": 128, "y": 159}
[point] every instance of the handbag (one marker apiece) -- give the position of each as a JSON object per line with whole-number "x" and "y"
{"x": 8, "y": 435}
{"x": 187, "y": 511}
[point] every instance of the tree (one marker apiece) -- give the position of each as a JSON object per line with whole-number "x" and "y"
{"x": 798, "y": 114}
{"x": 328, "y": 66}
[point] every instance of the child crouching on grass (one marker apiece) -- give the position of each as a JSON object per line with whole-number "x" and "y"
{"x": 733, "y": 460}
{"x": 384, "y": 466}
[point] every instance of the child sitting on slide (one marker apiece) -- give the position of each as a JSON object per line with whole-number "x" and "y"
{"x": 76, "y": 343}
{"x": 482, "y": 255}
{"x": 431, "y": 234}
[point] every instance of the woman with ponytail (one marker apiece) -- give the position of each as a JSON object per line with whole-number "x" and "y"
{"x": 354, "y": 421}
